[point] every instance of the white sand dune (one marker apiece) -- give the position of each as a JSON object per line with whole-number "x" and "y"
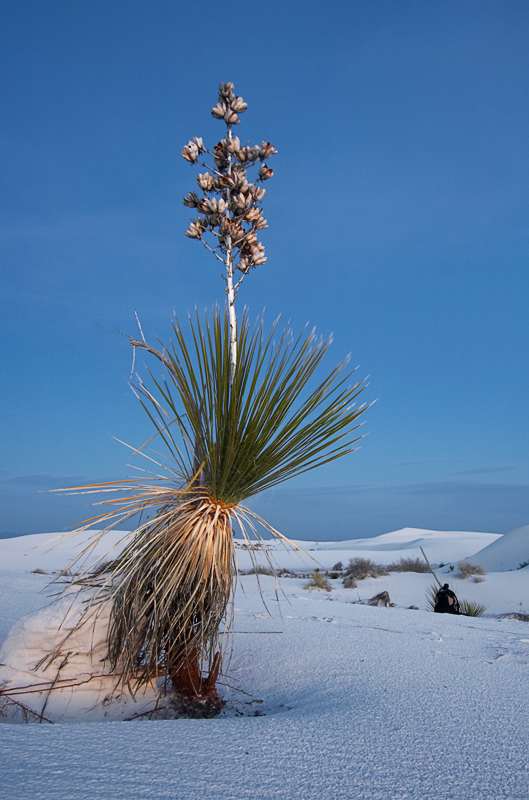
{"x": 506, "y": 553}
{"x": 440, "y": 547}
{"x": 325, "y": 697}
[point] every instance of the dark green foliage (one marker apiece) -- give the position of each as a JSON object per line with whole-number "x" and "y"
{"x": 470, "y": 608}
{"x": 265, "y": 426}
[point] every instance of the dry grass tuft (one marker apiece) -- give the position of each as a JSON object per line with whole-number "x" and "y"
{"x": 465, "y": 569}
{"x": 318, "y": 581}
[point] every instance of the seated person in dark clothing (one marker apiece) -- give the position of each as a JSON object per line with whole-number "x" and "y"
{"x": 446, "y": 602}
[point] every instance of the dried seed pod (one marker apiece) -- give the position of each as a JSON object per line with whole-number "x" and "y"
{"x": 234, "y": 145}
{"x": 265, "y": 173}
{"x": 266, "y": 150}
{"x": 238, "y": 105}
{"x": 231, "y": 118}
{"x": 192, "y": 200}
{"x": 190, "y": 152}
{"x": 252, "y": 214}
{"x": 219, "y": 111}
{"x": 196, "y": 228}
{"x": 206, "y": 182}
{"x": 225, "y": 89}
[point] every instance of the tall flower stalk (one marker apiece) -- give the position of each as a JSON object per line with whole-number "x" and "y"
{"x": 228, "y": 204}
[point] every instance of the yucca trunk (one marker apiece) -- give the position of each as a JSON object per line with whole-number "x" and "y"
{"x": 175, "y": 580}
{"x": 188, "y": 683}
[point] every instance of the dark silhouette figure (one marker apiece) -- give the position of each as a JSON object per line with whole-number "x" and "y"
{"x": 446, "y": 602}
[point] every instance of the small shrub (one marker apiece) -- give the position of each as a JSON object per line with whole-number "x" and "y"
{"x": 361, "y": 568}
{"x": 465, "y": 569}
{"x": 318, "y": 581}
{"x": 339, "y": 566}
{"x": 259, "y": 570}
{"x": 250, "y": 546}
{"x": 409, "y": 565}
{"x": 334, "y": 575}
{"x": 472, "y": 609}
{"x": 349, "y": 582}
{"x": 523, "y": 564}
{"x": 38, "y": 571}
{"x": 478, "y": 578}
{"x": 516, "y": 615}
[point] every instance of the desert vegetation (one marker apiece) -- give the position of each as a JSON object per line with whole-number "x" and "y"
{"x": 318, "y": 581}
{"x": 465, "y": 569}
{"x": 241, "y": 409}
{"x": 409, "y": 565}
{"x": 471, "y": 608}
{"x": 361, "y": 568}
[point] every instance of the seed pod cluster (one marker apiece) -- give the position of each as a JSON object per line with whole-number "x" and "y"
{"x": 229, "y": 204}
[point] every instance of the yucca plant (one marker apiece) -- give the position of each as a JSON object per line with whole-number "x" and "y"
{"x": 468, "y": 608}
{"x": 171, "y": 585}
{"x": 239, "y": 411}
{"x": 471, "y": 608}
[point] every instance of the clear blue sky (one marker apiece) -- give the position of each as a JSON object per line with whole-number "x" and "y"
{"x": 398, "y": 222}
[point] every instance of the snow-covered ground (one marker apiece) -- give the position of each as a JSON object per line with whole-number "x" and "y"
{"x": 326, "y": 697}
